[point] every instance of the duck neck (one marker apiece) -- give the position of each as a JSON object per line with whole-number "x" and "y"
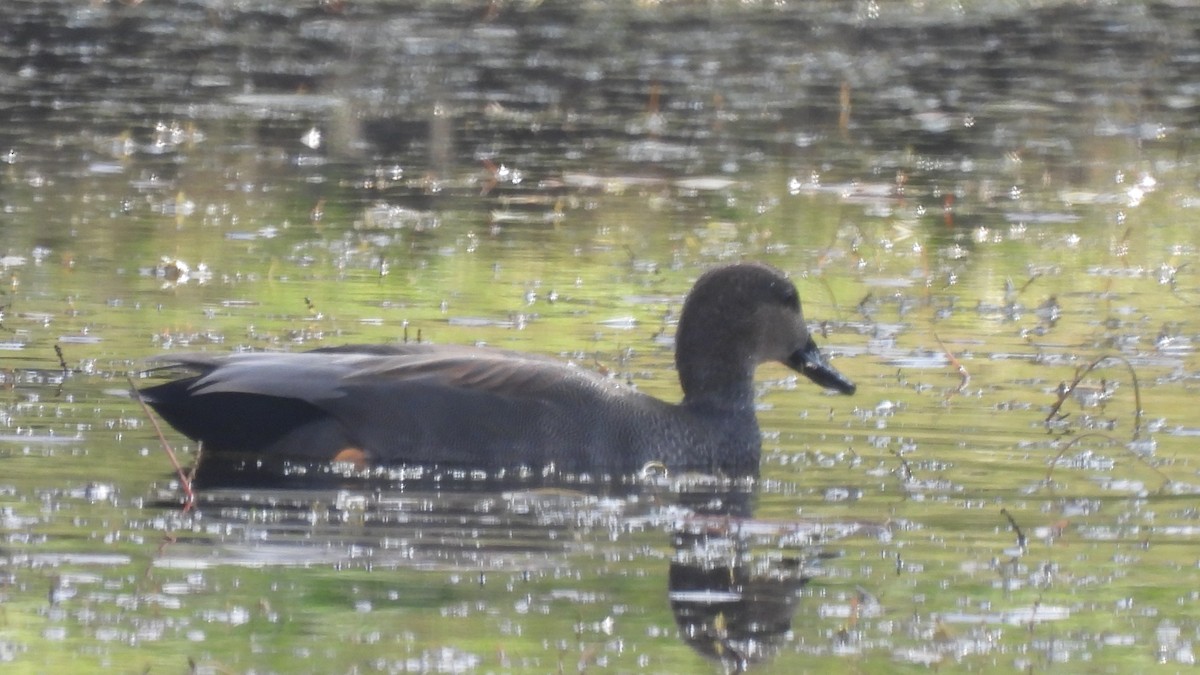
{"x": 716, "y": 380}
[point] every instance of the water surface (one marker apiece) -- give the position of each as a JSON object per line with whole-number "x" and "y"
{"x": 981, "y": 203}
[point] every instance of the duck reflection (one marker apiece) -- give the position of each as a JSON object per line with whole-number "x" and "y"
{"x": 733, "y": 583}
{"x": 730, "y": 607}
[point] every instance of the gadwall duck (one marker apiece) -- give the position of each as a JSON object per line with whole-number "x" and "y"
{"x": 490, "y": 409}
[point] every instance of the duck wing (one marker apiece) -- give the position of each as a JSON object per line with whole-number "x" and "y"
{"x": 407, "y": 403}
{"x": 324, "y": 375}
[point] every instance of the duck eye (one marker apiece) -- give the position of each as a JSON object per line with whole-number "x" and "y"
{"x": 791, "y": 298}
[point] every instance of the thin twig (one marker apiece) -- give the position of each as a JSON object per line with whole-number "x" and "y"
{"x": 1173, "y": 282}
{"x": 1065, "y": 392}
{"x": 189, "y": 497}
{"x": 191, "y": 477}
{"x": 1022, "y": 542}
{"x": 962, "y": 370}
{"x": 1054, "y": 462}
{"x": 837, "y": 309}
{"x": 907, "y": 476}
{"x": 862, "y": 306}
{"x": 1029, "y": 282}
{"x": 66, "y": 370}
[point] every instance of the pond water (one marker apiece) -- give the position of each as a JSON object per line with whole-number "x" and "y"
{"x": 989, "y": 209}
